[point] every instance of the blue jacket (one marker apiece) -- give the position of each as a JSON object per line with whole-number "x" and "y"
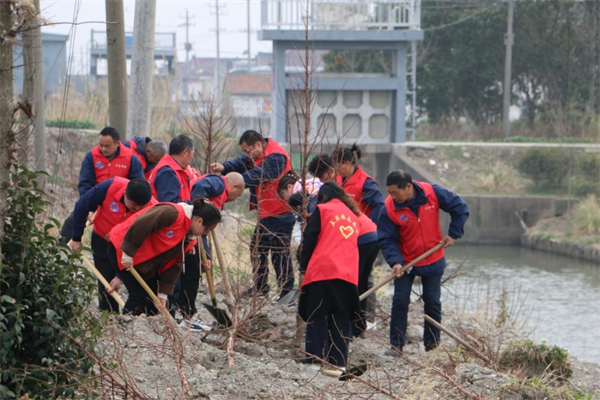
{"x": 271, "y": 168}
{"x": 387, "y": 231}
{"x": 87, "y": 203}
{"x": 141, "y": 149}
{"x": 167, "y": 185}
{"x": 373, "y": 197}
{"x": 87, "y": 174}
{"x": 209, "y": 186}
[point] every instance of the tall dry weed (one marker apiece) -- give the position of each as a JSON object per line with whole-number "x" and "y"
{"x": 587, "y": 215}
{"x": 502, "y": 178}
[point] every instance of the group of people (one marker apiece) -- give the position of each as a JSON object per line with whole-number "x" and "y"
{"x": 151, "y": 208}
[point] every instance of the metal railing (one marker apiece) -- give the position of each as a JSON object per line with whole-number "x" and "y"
{"x": 162, "y": 40}
{"x": 341, "y": 14}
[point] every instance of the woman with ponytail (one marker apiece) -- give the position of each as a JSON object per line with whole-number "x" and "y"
{"x": 357, "y": 183}
{"x": 329, "y": 261}
{"x": 154, "y": 242}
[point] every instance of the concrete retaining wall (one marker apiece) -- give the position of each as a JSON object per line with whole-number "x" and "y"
{"x": 567, "y": 249}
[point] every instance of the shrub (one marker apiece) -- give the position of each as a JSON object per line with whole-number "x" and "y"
{"x": 46, "y": 333}
{"x": 535, "y": 360}
{"x": 544, "y": 166}
{"x": 588, "y": 167}
{"x": 71, "y": 123}
{"x": 587, "y": 215}
{"x": 501, "y": 179}
{"x": 582, "y": 187}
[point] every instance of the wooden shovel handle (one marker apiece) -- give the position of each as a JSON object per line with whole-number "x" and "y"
{"x": 150, "y": 292}
{"x": 404, "y": 269}
{"x": 209, "y": 275}
{"x": 102, "y": 279}
{"x": 455, "y": 337}
{"x": 223, "y": 267}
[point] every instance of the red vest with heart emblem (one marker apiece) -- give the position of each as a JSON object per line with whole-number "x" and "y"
{"x": 269, "y": 202}
{"x": 220, "y": 200}
{"x": 105, "y": 169}
{"x": 353, "y": 186}
{"x": 418, "y": 233}
{"x": 183, "y": 177}
{"x": 158, "y": 242}
{"x": 336, "y": 254}
{"x": 366, "y": 224}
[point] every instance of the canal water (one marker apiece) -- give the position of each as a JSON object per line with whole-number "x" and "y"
{"x": 553, "y": 298}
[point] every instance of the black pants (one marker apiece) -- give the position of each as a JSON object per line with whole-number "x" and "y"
{"x": 367, "y": 254}
{"x": 102, "y": 263}
{"x": 138, "y": 302}
{"x": 188, "y": 284}
{"x": 273, "y": 234}
{"x": 327, "y": 338}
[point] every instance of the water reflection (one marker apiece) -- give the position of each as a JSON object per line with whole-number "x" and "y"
{"x": 557, "y": 298}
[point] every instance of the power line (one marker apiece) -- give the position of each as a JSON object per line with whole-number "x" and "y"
{"x": 435, "y": 28}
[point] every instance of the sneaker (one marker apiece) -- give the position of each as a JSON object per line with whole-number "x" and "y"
{"x": 371, "y": 326}
{"x": 314, "y": 366}
{"x": 395, "y": 351}
{"x": 195, "y": 325}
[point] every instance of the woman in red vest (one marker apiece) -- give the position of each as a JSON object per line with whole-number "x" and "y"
{"x": 154, "y": 242}
{"x": 357, "y": 183}
{"x": 329, "y": 262}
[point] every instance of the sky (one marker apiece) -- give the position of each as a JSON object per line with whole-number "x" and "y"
{"x": 170, "y": 16}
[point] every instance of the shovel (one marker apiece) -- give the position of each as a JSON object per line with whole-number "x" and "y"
{"x": 219, "y": 314}
{"x": 404, "y": 269}
{"x": 102, "y": 279}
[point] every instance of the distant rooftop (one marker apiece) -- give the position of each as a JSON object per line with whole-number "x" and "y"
{"x": 240, "y": 84}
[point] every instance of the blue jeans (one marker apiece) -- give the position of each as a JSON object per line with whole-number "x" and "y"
{"x": 431, "y": 297}
{"x": 273, "y": 234}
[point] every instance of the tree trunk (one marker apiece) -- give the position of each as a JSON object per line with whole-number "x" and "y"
{"x": 117, "y": 66}
{"x": 6, "y": 112}
{"x": 142, "y": 69}
{"x": 33, "y": 94}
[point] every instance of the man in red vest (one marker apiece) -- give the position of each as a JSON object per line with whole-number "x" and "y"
{"x": 219, "y": 189}
{"x": 148, "y": 151}
{"x": 262, "y": 165}
{"x": 115, "y": 200}
{"x": 107, "y": 160}
{"x": 408, "y": 226}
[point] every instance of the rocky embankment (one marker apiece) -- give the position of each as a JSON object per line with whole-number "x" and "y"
{"x": 152, "y": 361}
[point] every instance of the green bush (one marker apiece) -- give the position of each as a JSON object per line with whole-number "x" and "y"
{"x": 536, "y": 360}
{"x": 46, "y": 332}
{"x": 71, "y": 123}
{"x": 544, "y": 166}
{"x": 588, "y": 167}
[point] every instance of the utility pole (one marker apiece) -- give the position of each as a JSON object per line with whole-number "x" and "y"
{"x": 117, "y": 65}
{"x": 509, "y": 39}
{"x": 188, "y": 48}
{"x": 218, "y": 64}
{"x": 249, "y": 36}
{"x": 142, "y": 69}
{"x": 33, "y": 92}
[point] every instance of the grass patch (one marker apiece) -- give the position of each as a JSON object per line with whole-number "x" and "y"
{"x": 538, "y": 388}
{"x": 536, "y": 360}
{"x": 587, "y": 215}
{"x": 71, "y": 123}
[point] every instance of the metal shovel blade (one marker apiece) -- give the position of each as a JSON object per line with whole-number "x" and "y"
{"x": 220, "y": 315}
{"x": 354, "y": 371}
{"x": 289, "y": 298}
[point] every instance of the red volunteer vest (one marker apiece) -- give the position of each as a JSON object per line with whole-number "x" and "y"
{"x": 366, "y": 225}
{"x": 269, "y": 203}
{"x": 220, "y": 200}
{"x": 133, "y": 146}
{"x": 353, "y": 186}
{"x": 158, "y": 242}
{"x": 336, "y": 253}
{"x": 105, "y": 169}
{"x": 182, "y": 175}
{"x": 418, "y": 234}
